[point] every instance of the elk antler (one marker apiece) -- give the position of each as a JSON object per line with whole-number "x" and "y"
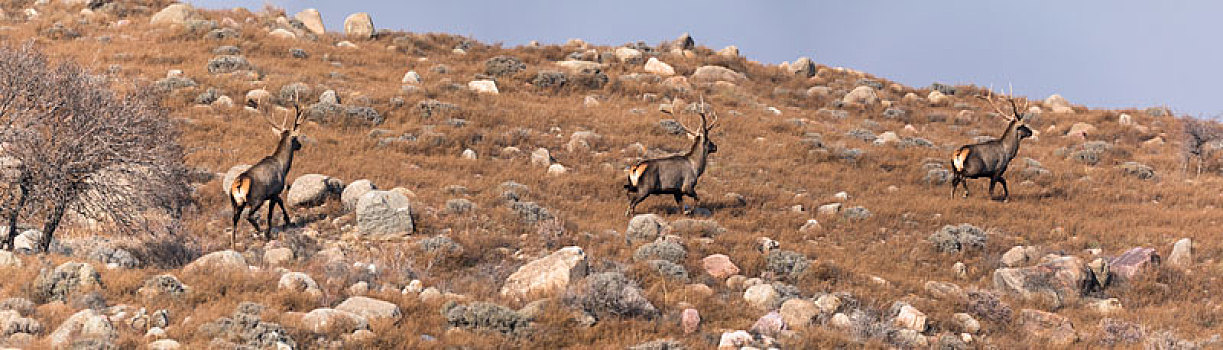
{"x": 272, "y": 123}
{"x": 990, "y": 99}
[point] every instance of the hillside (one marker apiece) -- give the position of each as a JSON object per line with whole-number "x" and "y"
{"x": 828, "y": 194}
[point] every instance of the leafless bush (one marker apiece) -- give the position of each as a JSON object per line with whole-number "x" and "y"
{"x": 80, "y": 147}
{"x": 611, "y": 293}
{"x": 1198, "y": 133}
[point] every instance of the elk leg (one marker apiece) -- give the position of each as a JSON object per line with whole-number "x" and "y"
{"x": 271, "y": 213}
{"x": 1006, "y": 193}
{"x": 992, "y": 182}
{"x": 251, "y": 216}
{"x": 632, "y": 204}
{"x": 964, "y": 182}
{"x": 695, "y": 199}
{"x": 955, "y": 182}
{"x": 284, "y": 211}
{"x": 233, "y": 234}
{"x": 679, "y": 201}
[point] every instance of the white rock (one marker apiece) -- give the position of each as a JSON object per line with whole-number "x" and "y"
{"x": 280, "y": 33}
{"x": 411, "y": 77}
{"x": 628, "y": 55}
{"x": 483, "y": 86}
{"x": 556, "y": 169}
{"x": 762, "y": 296}
{"x": 1182, "y": 253}
{"x": 862, "y": 94}
{"x": 653, "y": 65}
{"x": 910, "y": 318}
{"x": 359, "y": 26}
{"x": 548, "y": 275}
{"x": 312, "y": 20}
{"x": 173, "y": 14}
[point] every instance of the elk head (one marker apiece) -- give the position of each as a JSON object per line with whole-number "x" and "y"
{"x": 702, "y": 136}
{"x": 284, "y": 132}
{"x": 1015, "y": 117}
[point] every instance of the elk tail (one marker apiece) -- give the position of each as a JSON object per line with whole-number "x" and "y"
{"x": 634, "y": 176}
{"x": 957, "y": 159}
{"x": 239, "y": 190}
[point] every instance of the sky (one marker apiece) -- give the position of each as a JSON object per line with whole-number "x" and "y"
{"x": 1099, "y": 53}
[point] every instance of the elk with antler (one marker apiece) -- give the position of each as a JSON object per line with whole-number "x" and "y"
{"x": 991, "y": 158}
{"x": 676, "y": 175}
{"x": 264, "y": 181}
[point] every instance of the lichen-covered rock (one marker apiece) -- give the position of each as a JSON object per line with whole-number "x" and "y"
{"x": 611, "y": 293}
{"x": 384, "y": 215}
{"x": 225, "y": 261}
{"x": 484, "y": 316}
{"x": 370, "y": 308}
{"x": 86, "y": 324}
{"x": 548, "y": 275}
{"x": 66, "y": 280}
{"x": 951, "y": 239}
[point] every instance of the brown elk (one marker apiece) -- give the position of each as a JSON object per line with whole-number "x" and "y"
{"x": 264, "y": 181}
{"x": 676, "y": 175}
{"x": 991, "y": 158}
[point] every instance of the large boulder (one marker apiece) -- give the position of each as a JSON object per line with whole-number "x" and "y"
{"x": 311, "y": 190}
{"x": 798, "y": 312}
{"x": 803, "y": 67}
{"x": 712, "y": 74}
{"x": 297, "y": 282}
{"x": 67, "y": 279}
{"x": 1055, "y": 280}
{"x": 548, "y": 275}
{"x": 763, "y": 296}
{"x": 359, "y": 26}
{"x": 645, "y": 228}
{"x": 719, "y": 266}
{"x": 86, "y": 324}
{"x": 173, "y": 14}
{"x": 1129, "y": 264}
{"x": 354, "y": 191}
{"x": 862, "y": 95}
{"x": 312, "y": 20}
{"x": 653, "y": 65}
{"x": 331, "y": 321}
{"x": 370, "y": 308}
{"x": 1181, "y": 256}
{"x": 226, "y": 261}
{"x": 384, "y": 215}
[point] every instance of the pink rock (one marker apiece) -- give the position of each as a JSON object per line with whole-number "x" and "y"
{"x": 769, "y": 324}
{"x": 690, "y": 319}
{"x": 719, "y": 266}
{"x": 1128, "y": 264}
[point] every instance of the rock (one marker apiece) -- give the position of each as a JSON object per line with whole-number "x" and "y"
{"x": 469, "y": 154}
{"x": 719, "y": 266}
{"x": 383, "y": 215}
{"x": 277, "y": 256}
{"x": 1181, "y": 256}
{"x": 1020, "y": 256}
{"x": 370, "y": 308}
{"x": 228, "y": 180}
{"x": 811, "y": 225}
{"x": 411, "y": 77}
{"x": 332, "y": 321}
{"x": 1129, "y": 264}
{"x": 1056, "y": 280}
{"x": 653, "y": 65}
{"x": 225, "y": 261}
{"x": 711, "y": 74}
{"x": 66, "y": 280}
{"x": 311, "y": 190}
{"x": 164, "y": 344}
{"x": 769, "y": 325}
{"x": 312, "y": 20}
{"x": 541, "y": 157}
{"x": 1056, "y": 101}
{"x": 828, "y": 303}
{"x": 85, "y": 324}
{"x": 886, "y": 138}
{"x": 828, "y": 209}
{"x": 1138, "y": 170}
{"x": 173, "y": 14}
{"x": 840, "y": 321}
{"x": 359, "y": 26}
{"x": 690, "y": 321}
{"x": 762, "y": 296}
{"x": 734, "y": 340}
{"x": 228, "y": 64}
{"x": 909, "y": 317}
{"x": 281, "y": 33}
{"x": 359, "y": 288}
{"x": 645, "y": 228}
{"x": 803, "y": 67}
{"x": 12, "y": 322}
{"x": 965, "y": 323}
{"x": 354, "y": 191}
{"x": 951, "y": 239}
{"x": 946, "y": 291}
{"x": 548, "y": 275}
{"x": 297, "y": 282}
{"x": 1104, "y": 306}
{"x": 1053, "y": 328}
{"x": 557, "y": 169}
{"x": 1081, "y": 130}
{"x": 163, "y": 285}
{"x": 628, "y": 55}
{"x": 483, "y": 86}
{"x": 729, "y": 51}
{"x": 9, "y": 260}
{"x": 798, "y": 313}
{"x": 1125, "y": 119}
{"x": 861, "y": 95}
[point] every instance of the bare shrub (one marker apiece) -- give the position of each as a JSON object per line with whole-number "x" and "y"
{"x": 484, "y": 316}
{"x": 1114, "y": 331}
{"x": 986, "y": 305}
{"x": 82, "y": 148}
{"x": 610, "y": 294}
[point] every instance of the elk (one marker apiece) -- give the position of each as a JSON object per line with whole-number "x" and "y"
{"x": 676, "y": 175}
{"x": 991, "y": 158}
{"x": 264, "y": 181}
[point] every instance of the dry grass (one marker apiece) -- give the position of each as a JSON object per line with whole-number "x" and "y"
{"x": 761, "y": 157}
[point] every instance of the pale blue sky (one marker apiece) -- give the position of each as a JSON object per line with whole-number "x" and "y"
{"x": 1098, "y": 53}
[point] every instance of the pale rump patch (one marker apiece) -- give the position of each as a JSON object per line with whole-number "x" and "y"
{"x": 634, "y": 174}
{"x": 239, "y": 190}
{"x": 957, "y": 160}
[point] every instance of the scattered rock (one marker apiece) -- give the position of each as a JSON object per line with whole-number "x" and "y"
{"x": 484, "y": 316}
{"x": 645, "y": 228}
{"x": 769, "y": 325}
{"x": 861, "y": 95}
{"x": 548, "y": 275}
{"x": 312, "y": 190}
{"x": 965, "y": 323}
{"x": 1138, "y": 170}
{"x": 278, "y": 256}
{"x": 803, "y": 67}
{"x": 734, "y": 340}
{"x": 65, "y": 281}
{"x": 173, "y": 14}
{"x": 951, "y": 239}
{"x": 762, "y": 296}
{"x": 354, "y": 191}
{"x": 483, "y": 86}
{"x": 690, "y": 321}
{"x": 719, "y": 266}
{"x": 908, "y": 317}
{"x": 653, "y": 65}
{"x": 370, "y": 308}
{"x": 312, "y": 20}
{"x": 1053, "y": 328}
{"x": 1129, "y": 264}
{"x": 383, "y": 215}
{"x": 228, "y": 64}
{"x": 332, "y": 321}
{"x": 1055, "y": 281}
{"x": 359, "y": 26}
{"x": 84, "y": 325}
{"x": 298, "y": 282}
{"x": 1181, "y": 256}
{"x": 1020, "y": 256}
{"x": 610, "y": 294}
{"x": 225, "y": 261}
{"x": 798, "y": 313}
{"x": 711, "y": 74}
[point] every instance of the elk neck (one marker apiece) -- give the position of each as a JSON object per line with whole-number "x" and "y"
{"x": 1010, "y": 138}
{"x": 697, "y": 154}
{"x": 284, "y": 152}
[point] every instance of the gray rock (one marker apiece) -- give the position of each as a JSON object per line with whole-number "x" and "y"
{"x": 485, "y": 316}
{"x": 228, "y": 64}
{"x": 384, "y": 215}
{"x": 311, "y": 190}
{"x": 951, "y": 239}
{"x": 297, "y": 282}
{"x": 86, "y": 324}
{"x": 711, "y": 74}
{"x": 370, "y": 308}
{"x": 645, "y": 228}
{"x": 332, "y": 321}
{"x": 66, "y": 280}
{"x": 226, "y": 261}
{"x": 354, "y": 191}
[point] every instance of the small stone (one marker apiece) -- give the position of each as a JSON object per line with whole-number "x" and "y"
{"x": 469, "y": 154}
{"x": 798, "y": 313}
{"x": 966, "y": 323}
{"x": 910, "y": 318}
{"x": 690, "y": 320}
{"x": 762, "y": 296}
{"x": 556, "y": 169}
{"x": 1182, "y": 253}
{"x": 483, "y": 86}
{"x": 719, "y": 266}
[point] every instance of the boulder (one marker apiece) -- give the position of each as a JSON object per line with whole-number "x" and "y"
{"x": 645, "y": 228}
{"x": 937, "y": 98}
{"x": 164, "y": 344}
{"x": 483, "y": 86}
{"x": 762, "y": 296}
{"x": 628, "y": 55}
{"x": 1129, "y": 264}
{"x": 909, "y": 317}
{"x": 354, "y": 191}
{"x": 384, "y": 215}
{"x": 1081, "y": 130}
{"x": 312, "y": 20}
{"x": 66, "y": 280}
{"x": 798, "y": 313}
{"x": 828, "y": 303}
{"x": 548, "y": 275}
{"x": 226, "y": 261}
{"x": 1055, "y": 280}
{"x": 1181, "y": 256}
{"x": 541, "y": 157}
{"x": 370, "y": 308}
{"x": 1055, "y": 329}
{"x": 281, "y": 33}
{"x": 729, "y": 51}
{"x": 965, "y": 323}
{"x": 1020, "y": 256}
{"x": 1056, "y": 101}
{"x": 861, "y": 95}
{"x": 297, "y": 282}
{"x": 719, "y": 266}
{"x": 85, "y": 324}
{"x": 411, "y": 77}
{"x": 803, "y": 67}
{"x": 331, "y": 321}
{"x": 557, "y": 169}
{"x": 946, "y": 291}
{"x": 769, "y": 325}
{"x": 359, "y": 26}
{"x": 173, "y": 14}
{"x": 277, "y": 256}
{"x": 311, "y": 190}
{"x": 653, "y": 65}
{"x": 734, "y": 340}
{"x": 711, "y": 74}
